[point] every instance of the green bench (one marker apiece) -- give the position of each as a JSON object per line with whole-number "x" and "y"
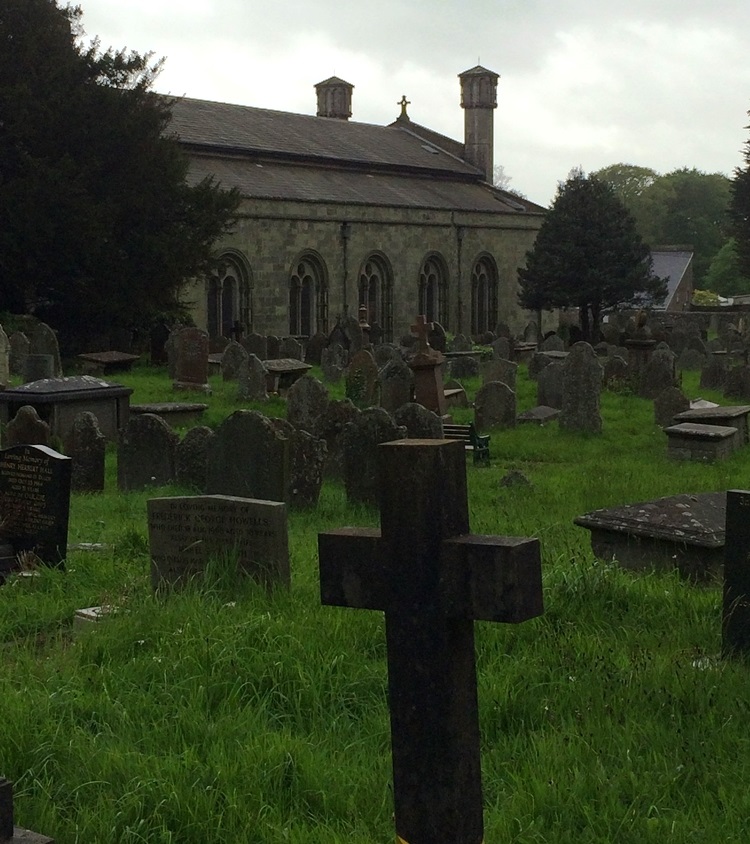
{"x": 472, "y": 440}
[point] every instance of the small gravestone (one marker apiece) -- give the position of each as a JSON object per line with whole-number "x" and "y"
{"x": 714, "y": 373}
{"x": 385, "y": 353}
{"x": 256, "y": 344}
{"x": 191, "y": 458}
{"x": 187, "y": 532}
{"x": 537, "y": 363}
{"x": 360, "y": 441}
{"x": 290, "y": 347}
{"x": 362, "y": 379}
{"x": 38, "y": 367}
{"x": 252, "y": 380}
{"x": 465, "y": 366}
{"x": 495, "y": 406}
{"x": 306, "y": 402}
{"x": 192, "y": 360}
{"x": 433, "y": 579}
{"x": 736, "y": 598}
{"x": 248, "y": 457}
{"x": 158, "y": 337}
{"x": 338, "y": 414}
{"x": 27, "y": 428}
{"x": 44, "y": 342}
{"x": 737, "y": 384}
{"x": 552, "y": 343}
{"x": 657, "y": 374}
{"x": 498, "y": 369}
{"x": 232, "y": 360}
{"x": 436, "y": 337}
{"x": 35, "y": 501}
{"x": 501, "y": 349}
{"x": 668, "y": 404}
{"x": 616, "y": 373}
{"x": 273, "y": 344}
{"x": 333, "y": 362}
{"x": 549, "y": 386}
{"x": 4, "y": 359}
{"x": 145, "y": 453}
{"x": 461, "y": 343}
{"x": 582, "y": 378}
{"x": 396, "y": 384}
{"x": 170, "y": 349}
{"x": 86, "y": 446}
{"x": 420, "y": 423}
{"x": 306, "y": 465}
{"x": 19, "y": 349}
{"x": 691, "y": 360}
{"x": 314, "y": 348}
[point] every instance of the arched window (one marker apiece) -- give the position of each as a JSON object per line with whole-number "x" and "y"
{"x": 433, "y": 291}
{"x": 483, "y": 296}
{"x": 376, "y": 293}
{"x": 228, "y": 298}
{"x": 308, "y": 298}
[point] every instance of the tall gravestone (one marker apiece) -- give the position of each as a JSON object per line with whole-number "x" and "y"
{"x": 549, "y": 386}
{"x": 191, "y": 458}
{"x": 256, "y": 344}
{"x": 192, "y": 360}
{"x": 582, "y": 379}
{"x": 290, "y": 347}
{"x": 338, "y": 415}
{"x": 35, "y": 501}
{"x": 396, "y": 384}
{"x": 44, "y": 342}
{"x": 360, "y": 440}
{"x": 426, "y": 364}
{"x": 85, "y": 444}
{"x": 495, "y": 406}
{"x": 19, "y": 350}
{"x": 307, "y": 458}
{"x": 362, "y": 379}
{"x": 306, "y": 403}
{"x": 4, "y": 359}
{"x": 252, "y": 380}
{"x": 232, "y": 360}
{"x": 432, "y": 579}
{"x": 145, "y": 453}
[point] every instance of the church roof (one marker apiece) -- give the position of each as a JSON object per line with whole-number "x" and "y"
{"x": 671, "y": 264}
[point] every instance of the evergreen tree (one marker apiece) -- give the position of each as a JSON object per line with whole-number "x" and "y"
{"x": 724, "y": 276}
{"x": 740, "y": 211}
{"x": 98, "y": 226}
{"x": 588, "y": 255}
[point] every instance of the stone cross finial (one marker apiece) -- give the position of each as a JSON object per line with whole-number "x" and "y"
{"x": 422, "y": 329}
{"x": 403, "y": 102}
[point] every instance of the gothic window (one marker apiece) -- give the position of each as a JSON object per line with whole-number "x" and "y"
{"x": 308, "y": 298}
{"x": 483, "y": 296}
{"x": 433, "y": 291}
{"x": 376, "y": 294}
{"x": 228, "y": 299}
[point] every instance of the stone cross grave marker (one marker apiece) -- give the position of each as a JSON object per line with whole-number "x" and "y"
{"x": 433, "y": 580}
{"x": 185, "y": 532}
{"x": 736, "y": 609}
{"x": 35, "y": 501}
{"x": 428, "y": 380}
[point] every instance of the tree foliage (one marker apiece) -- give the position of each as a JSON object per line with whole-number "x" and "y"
{"x": 589, "y": 255}
{"x": 98, "y": 226}
{"x": 740, "y": 211}
{"x": 724, "y": 276}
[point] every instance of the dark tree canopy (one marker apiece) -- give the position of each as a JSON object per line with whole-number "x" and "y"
{"x": 740, "y": 212}
{"x": 588, "y": 255}
{"x": 98, "y": 226}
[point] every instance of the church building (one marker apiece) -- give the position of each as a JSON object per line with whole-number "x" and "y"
{"x": 337, "y": 214}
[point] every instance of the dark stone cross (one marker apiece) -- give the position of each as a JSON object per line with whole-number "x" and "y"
{"x": 736, "y": 609}
{"x": 422, "y": 329}
{"x": 433, "y": 580}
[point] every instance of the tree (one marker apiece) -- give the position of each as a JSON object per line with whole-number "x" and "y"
{"x": 724, "y": 276}
{"x": 588, "y": 254}
{"x": 98, "y": 226}
{"x": 739, "y": 211}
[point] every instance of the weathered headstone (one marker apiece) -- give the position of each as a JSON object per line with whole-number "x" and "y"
{"x": 537, "y": 363}
{"x": 233, "y": 359}
{"x": 501, "y": 348}
{"x": 27, "y": 428}
{"x": 691, "y": 360}
{"x": 306, "y": 403}
{"x": 714, "y": 373}
{"x": 290, "y": 347}
{"x": 360, "y": 440}
{"x": 35, "y": 501}
{"x": 187, "y": 532}
{"x": 256, "y": 344}
{"x": 192, "y": 360}
{"x": 362, "y": 379}
{"x": 498, "y": 369}
{"x": 158, "y": 337}
{"x": 552, "y": 343}
{"x": 385, "y": 353}
{"x": 314, "y": 348}
{"x": 736, "y": 598}
{"x": 86, "y": 446}
{"x": 396, "y": 384}
{"x": 668, "y": 404}
{"x": 464, "y": 366}
{"x": 333, "y": 362}
{"x": 461, "y": 343}
{"x": 170, "y": 349}
{"x": 307, "y": 459}
{"x": 273, "y": 344}
{"x": 338, "y": 414}
{"x": 19, "y": 349}
{"x": 582, "y": 378}
{"x": 658, "y": 374}
{"x": 420, "y": 423}
{"x": 495, "y": 406}
{"x": 616, "y": 373}
{"x": 549, "y": 386}
{"x": 433, "y": 579}
{"x": 737, "y": 384}
{"x": 191, "y": 458}
{"x": 436, "y": 337}
{"x": 4, "y": 359}
{"x": 44, "y": 342}
{"x": 38, "y": 367}
{"x": 252, "y": 380}
{"x": 145, "y": 453}
{"x": 426, "y": 363}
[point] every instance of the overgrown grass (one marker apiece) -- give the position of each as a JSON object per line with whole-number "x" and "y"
{"x": 224, "y": 714}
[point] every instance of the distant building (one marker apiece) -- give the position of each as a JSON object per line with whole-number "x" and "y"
{"x": 337, "y": 214}
{"x": 675, "y": 264}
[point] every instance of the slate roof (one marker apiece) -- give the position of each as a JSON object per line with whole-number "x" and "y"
{"x": 672, "y": 265}
{"x": 278, "y": 155}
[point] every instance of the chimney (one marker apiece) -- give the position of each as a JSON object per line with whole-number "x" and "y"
{"x": 334, "y": 98}
{"x": 478, "y": 99}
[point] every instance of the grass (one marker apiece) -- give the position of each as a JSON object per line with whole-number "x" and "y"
{"x": 223, "y": 714}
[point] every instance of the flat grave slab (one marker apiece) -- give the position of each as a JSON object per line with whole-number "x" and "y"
{"x": 694, "y": 441}
{"x": 683, "y": 531}
{"x": 283, "y": 372}
{"x": 105, "y": 363}
{"x": 539, "y": 415}
{"x": 733, "y": 416}
{"x": 174, "y": 413}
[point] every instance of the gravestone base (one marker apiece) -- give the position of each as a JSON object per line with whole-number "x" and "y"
{"x": 706, "y": 443}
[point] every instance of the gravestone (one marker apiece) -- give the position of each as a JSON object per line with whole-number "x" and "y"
{"x": 19, "y": 350}
{"x": 420, "y": 423}
{"x": 540, "y": 415}
{"x": 351, "y": 332}
{"x": 145, "y": 453}
{"x": 714, "y": 373}
{"x": 502, "y": 329}
{"x": 360, "y": 440}
{"x": 191, "y": 458}
{"x": 158, "y": 337}
{"x": 187, "y": 532}
{"x": 465, "y": 366}
{"x": 461, "y": 343}
{"x": 436, "y": 337}
{"x": 582, "y": 378}
{"x": 691, "y": 360}
{"x": 44, "y": 342}
{"x": 38, "y": 368}
{"x": 27, "y": 428}
{"x": 306, "y": 402}
{"x": 252, "y": 380}
{"x": 549, "y": 386}
{"x": 736, "y": 597}
{"x": 426, "y": 363}
{"x": 170, "y": 349}
{"x": 433, "y": 579}
{"x": 333, "y": 362}
{"x": 249, "y": 458}
{"x": 737, "y": 384}
{"x": 616, "y": 374}
{"x": 86, "y": 446}
{"x": 314, "y": 348}
{"x": 233, "y": 359}
{"x": 396, "y": 384}
{"x": 495, "y": 406}
{"x": 498, "y": 369}
{"x": 290, "y": 347}
{"x": 385, "y": 353}
{"x": 668, "y": 404}
{"x": 192, "y": 360}
{"x": 552, "y": 343}
{"x": 273, "y": 344}
{"x": 537, "y": 363}
{"x": 501, "y": 349}
{"x": 255, "y": 344}
{"x": 362, "y": 379}
{"x": 338, "y": 414}
{"x": 35, "y": 501}
{"x": 531, "y": 332}
{"x": 658, "y": 374}
{"x": 307, "y": 458}
{"x": 4, "y": 359}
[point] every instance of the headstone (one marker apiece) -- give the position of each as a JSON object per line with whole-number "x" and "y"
{"x": 252, "y": 380}
{"x": 338, "y": 414}
{"x": 531, "y": 332}
{"x": 145, "y": 453}
{"x": 461, "y": 343}
{"x": 187, "y": 532}
{"x": 44, "y": 342}
{"x": 377, "y": 332}
{"x": 658, "y": 374}
{"x": 552, "y": 343}
{"x": 27, "y": 428}
{"x": 19, "y": 349}
{"x": 191, "y": 458}
{"x": 170, "y": 348}
{"x": 616, "y": 374}
{"x": 38, "y": 367}
{"x": 4, "y": 359}
{"x": 502, "y": 329}
{"x": 501, "y": 348}
{"x": 256, "y": 344}
{"x": 248, "y": 457}
{"x": 158, "y": 337}
{"x": 549, "y": 386}
{"x": 273, "y": 344}
{"x": 464, "y": 367}
{"x": 307, "y": 463}
{"x": 736, "y": 598}
{"x": 192, "y": 360}
{"x": 426, "y": 363}
{"x": 582, "y": 378}
{"x": 362, "y": 379}
{"x": 433, "y": 579}
{"x": 668, "y": 404}
{"x": 737, "y": 383}
{"x": 537, "y": 363}
{"x": 314, "y": 348}
{"x": 420, "y": 423}
{"x": 86, "y": 446}
{"x": 232, "y": 361}
{"x": 690, "y": 360}
{"x": 436, "y": 337}
{"x": 306, "y": 402}
{"x": 351, "y": 331}
{"x": 333, "y": 362}
{"x": 385, "y": 353}
{"x": 499, "y": 370}
{"x": 455, "y": 394}
{"x": 495, "y": 406}
{"x": 35, "y": 501}
{"x": 396, "y": 384}
{"x": 290, "y": 347}
{"x": 360, "y": 441}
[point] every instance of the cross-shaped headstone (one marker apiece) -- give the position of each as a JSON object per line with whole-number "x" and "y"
{"x": 736, "y": 610}
{"x": 433, "y": 580}
{"x": 422, "y": 329}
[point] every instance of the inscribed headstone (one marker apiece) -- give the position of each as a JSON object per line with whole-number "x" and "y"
{"x": 145, "y": 453}
{"x": 252, "y": 380}
{"x": 44, "y": 342}
{"x": 307, "y": 462}
{"x": 338, "y": 414}
{"x": 333, "y": 362}
{"x": 306, "y": 402}
{"x": 552, "y": 343}
{"x": 495, "y": 406}
{"x": 396, "y": 384}
{"x": 582, "y": 378}
{"x": 360, "y": 440}
{"x": 461, "y": 343}
{"x": 192, "y": 360}
{"x": 290, "y": 347}
{"x": 537, "y": 363}
{"x": 658, "y": 374}
{"x": 191, "y": 458}
{"x": 498, "y": 369}
{"x": 232, "y": 360}
{"x": 668, "y": 404}
{"x": 362, "y": 379}
{"x": 27, "y": 428}
{"x": 273, "y": 345}
{"x": 502, "y": 348}
{"x": 256, "y": 344}
{"x": 420, "y": 423}
{"x": 464, "y": 367}
{"x": 314, "y": 348}
{"x": 549, "y": 386}
{"x": 85, "y": 444}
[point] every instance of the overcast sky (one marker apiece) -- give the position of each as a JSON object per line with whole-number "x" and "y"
{"x": 657, "y": 83}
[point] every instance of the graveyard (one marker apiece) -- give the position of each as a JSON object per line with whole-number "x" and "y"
{"x": 237, "y": 709}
